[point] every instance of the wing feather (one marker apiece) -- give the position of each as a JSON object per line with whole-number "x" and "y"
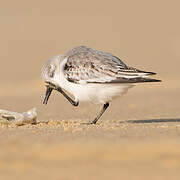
{"x": 92, "y": 66}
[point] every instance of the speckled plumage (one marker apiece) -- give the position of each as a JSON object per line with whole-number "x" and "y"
{"x": 91, "y": 75}
{"x": 95, "y": 66}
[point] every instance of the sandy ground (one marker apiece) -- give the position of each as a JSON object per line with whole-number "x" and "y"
{"x": 138, "y": 136}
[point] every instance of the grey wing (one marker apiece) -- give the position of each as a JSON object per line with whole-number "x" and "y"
{"x": 92, "y": 66}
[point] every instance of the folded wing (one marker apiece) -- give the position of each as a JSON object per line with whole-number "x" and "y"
{"x": 92, "y": 66}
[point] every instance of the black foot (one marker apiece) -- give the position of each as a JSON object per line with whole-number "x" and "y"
{"x": 74, "y": 103}
{"x": 88, "y": 123}
{"x": 99, "y": 115}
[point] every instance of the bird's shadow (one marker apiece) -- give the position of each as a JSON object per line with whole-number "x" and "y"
{"x": 152, "y": 120}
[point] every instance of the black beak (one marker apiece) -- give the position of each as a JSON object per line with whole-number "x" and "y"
{"x": 48, "y": 93}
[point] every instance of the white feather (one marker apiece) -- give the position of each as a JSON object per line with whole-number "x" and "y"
{"x": 94, "y": 92}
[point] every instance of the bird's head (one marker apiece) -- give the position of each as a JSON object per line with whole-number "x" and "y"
{"x": 50, "y": 72}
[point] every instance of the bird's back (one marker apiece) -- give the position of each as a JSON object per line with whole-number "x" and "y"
{"x": 94, "y": 66}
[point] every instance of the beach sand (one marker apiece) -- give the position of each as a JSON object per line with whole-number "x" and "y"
{"x": 138, "y": 136}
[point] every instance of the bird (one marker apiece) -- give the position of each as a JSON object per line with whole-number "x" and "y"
{"x": 90, "y": 75}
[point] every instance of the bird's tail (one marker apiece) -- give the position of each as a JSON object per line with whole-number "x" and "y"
{"x": 143, "y": 80}
{"x": 133, "y": 75}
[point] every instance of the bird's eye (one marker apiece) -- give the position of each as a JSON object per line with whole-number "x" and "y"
{"x": 52, "y": 74}
{"x": 51, "y": 71}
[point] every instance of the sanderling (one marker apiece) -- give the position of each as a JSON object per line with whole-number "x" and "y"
{"x": 91, "y": 75}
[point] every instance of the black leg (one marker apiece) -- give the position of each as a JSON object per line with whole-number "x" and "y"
{"x": 101, "y": 113}
{"x": 74, "y": 103}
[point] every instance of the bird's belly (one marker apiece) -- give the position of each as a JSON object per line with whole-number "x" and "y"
{"x": 97, "y": 93}
{"x": 94, "y": 92}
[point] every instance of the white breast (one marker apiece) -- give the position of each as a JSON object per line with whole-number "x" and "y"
{"x": 94, "y": 92}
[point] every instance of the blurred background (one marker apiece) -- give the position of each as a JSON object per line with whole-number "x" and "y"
{"x": 144, "y": 34}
